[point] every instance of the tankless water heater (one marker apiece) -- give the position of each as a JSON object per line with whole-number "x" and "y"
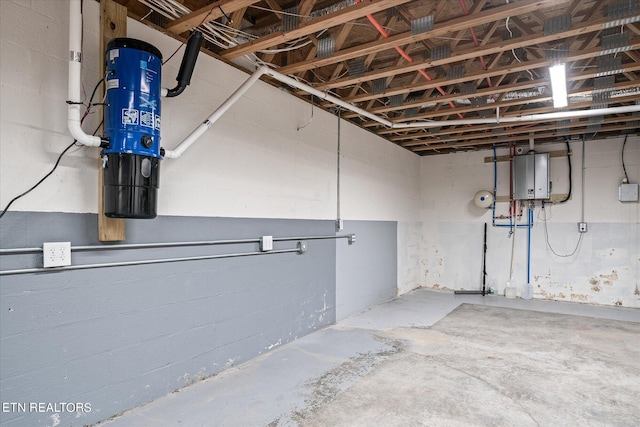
{"x": 531, "y": 176}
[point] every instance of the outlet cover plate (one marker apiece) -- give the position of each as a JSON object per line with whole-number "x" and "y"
{"x": 56, "y": 254}
{"x": 266, "y": 243}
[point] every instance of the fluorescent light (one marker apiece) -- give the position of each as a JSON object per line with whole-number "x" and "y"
{"x": 558, "y": 85}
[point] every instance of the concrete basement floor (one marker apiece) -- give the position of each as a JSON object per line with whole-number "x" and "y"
{"x": 431, "y": 358}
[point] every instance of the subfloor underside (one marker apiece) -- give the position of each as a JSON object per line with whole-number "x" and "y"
{"x": 433, "y": 359}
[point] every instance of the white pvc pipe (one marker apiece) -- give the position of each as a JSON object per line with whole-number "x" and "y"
{"x": 74, "y": 109}
{"x": 197, "y": 132}
{"x": 200, "y": 130}
{"x": 526, "y": 118}
{"x": 204, "y": 126}
{"x": 324, "y": 95}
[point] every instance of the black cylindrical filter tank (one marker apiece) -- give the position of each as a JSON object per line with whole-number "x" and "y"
{"x": 131, "y": 163}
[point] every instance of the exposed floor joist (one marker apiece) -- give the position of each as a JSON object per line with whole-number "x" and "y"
{"x": 437, "y": 60}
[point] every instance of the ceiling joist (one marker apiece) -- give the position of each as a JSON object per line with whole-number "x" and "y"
{"x": 433, "y": 60}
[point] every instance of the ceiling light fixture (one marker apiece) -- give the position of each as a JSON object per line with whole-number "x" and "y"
{"x": 558, "y": 77}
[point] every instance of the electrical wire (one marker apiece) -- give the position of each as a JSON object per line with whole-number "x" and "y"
{"x": 225, "y": 14}
{"x": 55, "y": 166}
{"x": 266, "y": 9}
{"x": 310, "y": 118}
{"x": 513, "y": 51}
{"x": 566, "y": 141}
{"x": 180, "y": 47}
{"x": 41, "y": 180}
{"x": 546, "y": 237}
{"x": 624, "y": 168}
{"x": 313, "y": 15}
{"x": 190, "y": 35}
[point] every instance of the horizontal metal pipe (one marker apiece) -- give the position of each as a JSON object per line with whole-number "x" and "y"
{"x": 127, "y": 246}
{"x": 18, "y": 251}
{"x": 143, "y": 262}
{"x": 524, "y": 118}
{"x": 326, "y": 96}
{"x": 342, "y": 236}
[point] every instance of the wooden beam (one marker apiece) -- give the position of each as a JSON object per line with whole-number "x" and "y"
{"x": 236, "y": 18}
{"x": 309, "y": 27}
{"x": 479, "y": 132}
{"x": 273, "y": 4}
{"x": 491, "y": 72}
{"x": 470, "y": 130}
{"x": 584, "y": 76}
{"x": 548, "y": 135}
{"x": 113, "y": 23}
{"x": 501, "y": 46}
{"x": 207, "y": 14}
{"x": 439, "y": 29}
{"x": 306, "y": 6}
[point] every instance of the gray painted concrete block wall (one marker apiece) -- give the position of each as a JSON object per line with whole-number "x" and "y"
{"x": 123, "y": 336}
{"x": 366, "y": 274}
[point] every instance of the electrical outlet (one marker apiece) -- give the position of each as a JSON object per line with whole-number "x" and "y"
{"x": 582, "y": 227}
{"x": 56, "y": 254}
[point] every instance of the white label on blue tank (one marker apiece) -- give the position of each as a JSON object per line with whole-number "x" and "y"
{"x": 146, "y": 119}
{"x": 157, "y": 122}
{"x": 114, "y": 53}
{"x": 129, "y": 116}
{"x": 113, "y": 84}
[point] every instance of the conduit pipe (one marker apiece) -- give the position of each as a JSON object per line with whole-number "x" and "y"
{"x": 300, "y": 249}
{"x": 525, "y": 118}
{"x": 262, "y": 71}
{"x": 74, "y": 98}
{"x": 18, "y": 251}
{"x": 529, "y": 222}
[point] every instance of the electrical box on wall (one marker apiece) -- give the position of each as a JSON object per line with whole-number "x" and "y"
{"x": 531, "y": 176}
{"x": 628, "y": 192}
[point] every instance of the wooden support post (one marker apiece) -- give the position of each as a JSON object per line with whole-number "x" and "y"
{"x": 113, "y": 23}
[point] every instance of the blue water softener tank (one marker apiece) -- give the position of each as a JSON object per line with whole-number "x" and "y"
{"x": 131, "y": 162}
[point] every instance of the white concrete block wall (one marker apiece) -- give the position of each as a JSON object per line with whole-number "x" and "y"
{"x": 605, "y": 268}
